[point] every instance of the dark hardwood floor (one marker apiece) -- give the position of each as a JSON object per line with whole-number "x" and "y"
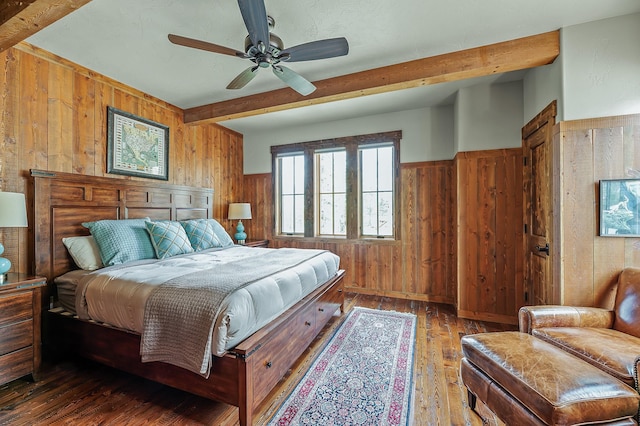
{"x": 79, "y": 392}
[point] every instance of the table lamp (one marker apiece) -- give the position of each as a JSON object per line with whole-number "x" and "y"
{"x": 13, "y": 214}
{"x": 240, "y": 211}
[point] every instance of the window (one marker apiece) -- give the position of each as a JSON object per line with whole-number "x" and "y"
{"x": 332, "y": 193}
{"x": 376, "y": 182}
{"x": 339, "y": 188}
{"x": 291, "y": 189}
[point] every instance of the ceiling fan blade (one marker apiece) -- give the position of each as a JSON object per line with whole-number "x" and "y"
{"x": 204, "y": 45}
{"x": 294, "y": 80}
{"x": 321, "y": 49}
{"x": 243, "y": 78}
{"x": 254, "y": 14}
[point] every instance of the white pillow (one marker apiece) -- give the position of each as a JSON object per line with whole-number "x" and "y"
{"x": 84, "y": 251}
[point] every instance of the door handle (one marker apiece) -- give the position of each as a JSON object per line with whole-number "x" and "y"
{"x": 544, "y": 249}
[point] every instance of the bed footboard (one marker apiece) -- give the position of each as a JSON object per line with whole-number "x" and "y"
{"x": 243, "y": 377}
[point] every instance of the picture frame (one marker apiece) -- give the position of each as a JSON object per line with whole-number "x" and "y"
{"x": 620, "y": 208}
{"x": 136, "y": 146}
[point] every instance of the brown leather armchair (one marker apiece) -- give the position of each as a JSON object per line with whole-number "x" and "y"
{"x": 607, "y": 339}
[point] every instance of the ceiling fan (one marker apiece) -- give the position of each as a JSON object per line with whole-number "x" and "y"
{"x": 265, "y": 49}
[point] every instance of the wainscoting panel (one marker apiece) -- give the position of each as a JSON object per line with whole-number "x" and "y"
{"x": 587, "y": 265}
{"x": 418, "y": 265}
{"x": 490, "y": 232}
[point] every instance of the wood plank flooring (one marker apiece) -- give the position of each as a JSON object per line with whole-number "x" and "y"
{"x": 79, "y": 392}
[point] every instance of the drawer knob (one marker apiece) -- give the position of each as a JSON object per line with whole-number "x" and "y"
{"x": 307, "y": 323}
{"x": 321, "y": 309}
{"x": 268, "y": 364}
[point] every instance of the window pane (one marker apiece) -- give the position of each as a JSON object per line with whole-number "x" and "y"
{"x": 299, "y": 174}
{"x": 299, "y": 214}
{"x": 340, "y": 214}
{"x": 287, "y": 214}
{"x": 331, "y": 192}
{"x": 286, "y": 175}
{"x": 291, "y": 173}
{"x": 370, "y": 213}
{"x": 340, "y": 171}
{"x": 385, "y": 169}
{"x": 385, "y": 213}
{"x": 326, "y": 214}
{"x": 369, "y": 172}
{"x": 326, "y": 172}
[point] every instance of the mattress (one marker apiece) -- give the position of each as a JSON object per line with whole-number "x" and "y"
{"x": 117, "y": 295}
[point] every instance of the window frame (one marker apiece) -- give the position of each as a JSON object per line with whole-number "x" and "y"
{"x": 351, "y": 144}
{"x": 278, "y": 190}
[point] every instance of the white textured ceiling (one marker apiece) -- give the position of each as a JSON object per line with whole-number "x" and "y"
{"x": 127, "y": 41}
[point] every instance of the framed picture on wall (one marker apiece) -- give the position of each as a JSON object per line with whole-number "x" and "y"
{"x": 620, "y": 208}
{"x": 136, "y": 146}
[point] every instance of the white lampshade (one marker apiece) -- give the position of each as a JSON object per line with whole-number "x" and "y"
{"x": 13, "y": 210}
{"x": 240, "y": 211}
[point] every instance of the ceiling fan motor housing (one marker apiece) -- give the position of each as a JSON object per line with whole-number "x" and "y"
{"x": 265, "y": 54}
{"x": 274, "y": 42}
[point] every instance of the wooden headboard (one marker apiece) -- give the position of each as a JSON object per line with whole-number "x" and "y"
{"x": 64, "y": 200}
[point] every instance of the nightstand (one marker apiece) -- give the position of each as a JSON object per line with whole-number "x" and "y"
{"x": 257, "y": 243}
{"x": 20, "y": 316}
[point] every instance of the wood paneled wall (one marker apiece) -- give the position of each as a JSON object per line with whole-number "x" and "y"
{"x": 586, "y": 265}
{"x": 490, "y": 231}
{"x": 54, "y": 118}
{"x": 418, "y": 266}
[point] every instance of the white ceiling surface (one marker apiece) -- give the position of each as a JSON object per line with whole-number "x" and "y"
{"x": 127, "y": 41}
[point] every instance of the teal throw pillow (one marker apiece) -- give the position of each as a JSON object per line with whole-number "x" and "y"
{"x": 221, "y": 233}
{"x": 121, "y": 241}
{"x": 168, "y": 238}
{"x": 200, "y": 234}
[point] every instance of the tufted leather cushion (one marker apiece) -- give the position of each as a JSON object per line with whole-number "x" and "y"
{"x": 554, "y": 385}
{"x": 627, "y": 305}
{"x": 617, "y": 357}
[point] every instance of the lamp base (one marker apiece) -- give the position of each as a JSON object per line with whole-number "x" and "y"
{"x": 5, "y": 265}
{"x": 240, "y": 235}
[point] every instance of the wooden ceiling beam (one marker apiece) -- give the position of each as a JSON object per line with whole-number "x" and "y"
{"x": 523, "y": 53}
{"x": 20, "y": 19}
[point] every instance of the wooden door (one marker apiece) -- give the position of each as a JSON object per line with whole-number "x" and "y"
{"x": 538, "y": 215}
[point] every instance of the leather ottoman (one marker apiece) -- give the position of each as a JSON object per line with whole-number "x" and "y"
{"x": 526, "y": 381}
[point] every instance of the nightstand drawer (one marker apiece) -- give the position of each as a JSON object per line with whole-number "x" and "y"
{"x": 16, "y": 364}
{"x": 16, "y": 336}
{"x": 16, "y": 307}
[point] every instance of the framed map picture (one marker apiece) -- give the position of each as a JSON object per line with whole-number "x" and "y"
{"x": 136, "y": 146}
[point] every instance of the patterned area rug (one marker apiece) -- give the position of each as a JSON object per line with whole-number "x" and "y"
{"x": 363, "y": 376}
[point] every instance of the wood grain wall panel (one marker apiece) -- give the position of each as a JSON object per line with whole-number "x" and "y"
{"x": 578, "y": 200}
{"x": 610, "y": 149}
{"x": 12, "y": 238}
{"x": 54, "y": 118}
{"x": 490, "y": 232}
{"x": 258, "y": 192}
{"x": 84, "y": 126}
{"x": 588, "y": 151}
{"x": 417, "y": 266}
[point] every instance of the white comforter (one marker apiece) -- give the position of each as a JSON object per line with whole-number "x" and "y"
{"x": 117, "y": 295}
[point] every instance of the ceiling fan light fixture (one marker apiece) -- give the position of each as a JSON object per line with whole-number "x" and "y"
{"x": 274, "y": 42}
{"x": 269, "y": 55}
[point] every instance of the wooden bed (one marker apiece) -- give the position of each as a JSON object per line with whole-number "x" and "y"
{"x": 243, "y": 377}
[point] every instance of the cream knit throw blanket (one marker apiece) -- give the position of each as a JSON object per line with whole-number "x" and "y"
{"x": 180, "y": 314}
